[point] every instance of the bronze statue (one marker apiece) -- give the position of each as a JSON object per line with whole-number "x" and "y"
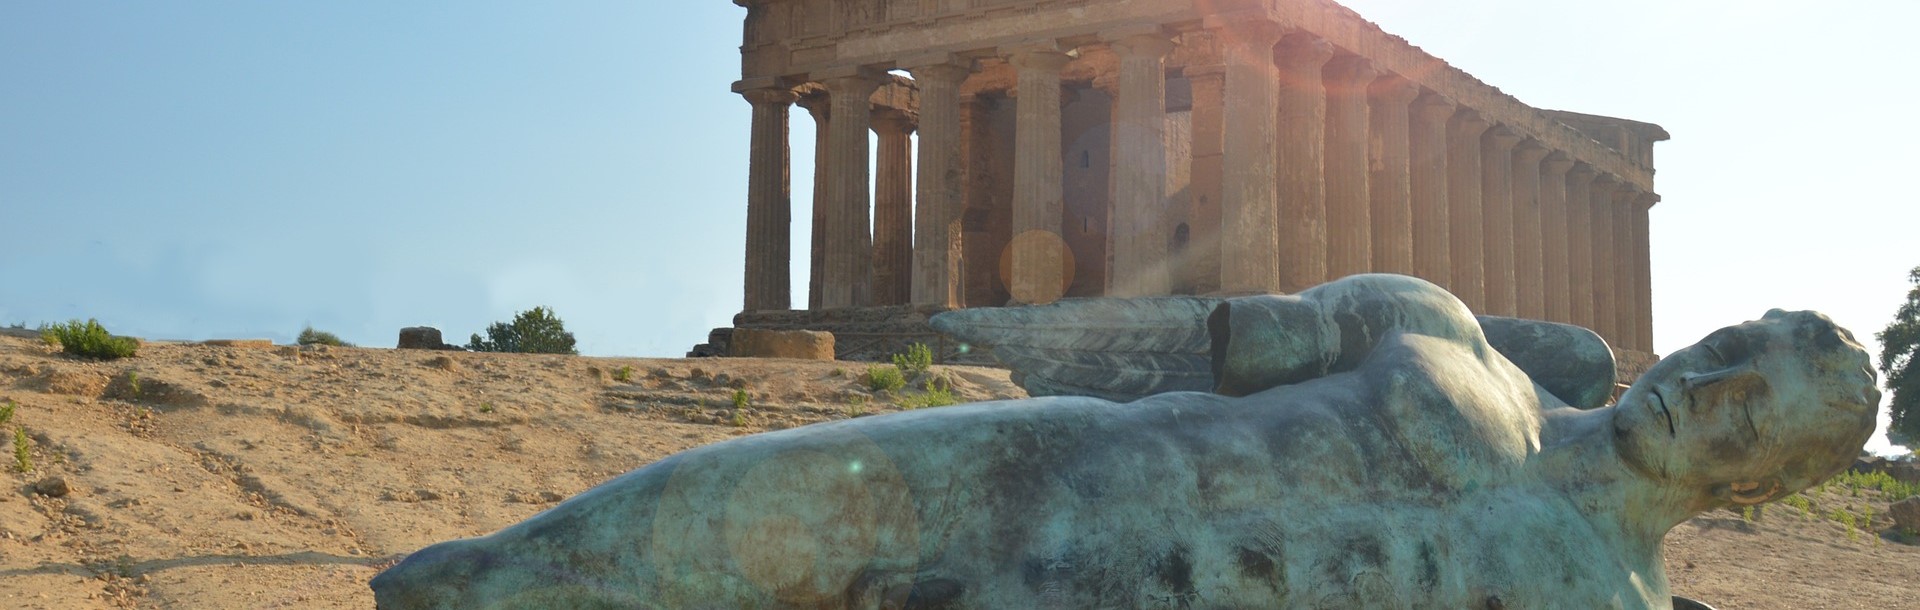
{"x": 1368, "y": 448}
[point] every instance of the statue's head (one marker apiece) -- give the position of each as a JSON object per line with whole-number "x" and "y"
{"x": 1753, "y": 412}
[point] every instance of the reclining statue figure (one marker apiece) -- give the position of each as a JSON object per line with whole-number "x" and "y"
{"x": 1367, "y": 447}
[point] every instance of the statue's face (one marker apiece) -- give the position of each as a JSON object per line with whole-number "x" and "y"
{"x": 1753, "y": 412}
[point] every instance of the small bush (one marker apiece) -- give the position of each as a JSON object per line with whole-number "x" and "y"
{"x": 1846, "y": 519}
{"x": 1747, "y": 514}
{"x": 6, "y": 412}
{"x": 884, "y": 377}
{"x": 89, "y": 340}
{"x": 740, "y": 399}
{"x": 22, "y": 450}
{"x": 1800, "y": 502}
{"x": 535, "y": 331}
{"x": 937, "y": 395}
{"x": 309, "y": 336}
{"x": 916, "y": 361}
{"x": 1893, "y": 489}
{"x": 624, "y": 374}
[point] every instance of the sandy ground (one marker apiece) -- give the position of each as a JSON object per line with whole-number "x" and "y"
{"x": 279, "y": 477}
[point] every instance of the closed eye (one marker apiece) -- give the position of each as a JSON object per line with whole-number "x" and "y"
{"x": 1714, "y": 352}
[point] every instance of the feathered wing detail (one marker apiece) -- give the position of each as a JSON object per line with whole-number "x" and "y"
{"x": 1117, "y": 349}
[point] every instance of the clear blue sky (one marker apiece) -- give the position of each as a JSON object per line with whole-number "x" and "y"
{"x": 196, "y": 170}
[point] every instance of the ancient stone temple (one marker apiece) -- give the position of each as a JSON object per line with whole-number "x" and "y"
{"x": 1070, "y": 148}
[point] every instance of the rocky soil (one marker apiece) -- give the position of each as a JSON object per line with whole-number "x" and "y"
{"x": 198, "y": 476}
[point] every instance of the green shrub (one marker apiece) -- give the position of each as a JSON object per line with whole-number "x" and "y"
{"x": 535, "y": 331}
{"x": 309, "y": 336}
{"x": 22, "y": 450}
{"x": 1846, "y": 519}
{"x": 937, "y": 395}
{"x": 6, "y": 412}
{"x": 885, "y": 377}
{"x": 1893, "y": 489}
{"x": 89, "y": 340}
{"x": 740, "y": 399}
{"x": 916, "y": 361}
{"x": 624, "y": 374}
{"x": 1800, "y": 502}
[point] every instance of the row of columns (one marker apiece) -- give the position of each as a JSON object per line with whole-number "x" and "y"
{"x": 1328, "y": 167}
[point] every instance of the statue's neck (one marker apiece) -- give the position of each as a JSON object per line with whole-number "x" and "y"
{"x": 1579, "y": 452}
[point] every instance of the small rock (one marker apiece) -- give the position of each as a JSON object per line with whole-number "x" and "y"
{"x": 801, "y": 344}
{"x": 52, "y": 487}
{"x": 1906, "y": 514}
{"x": 443, "y": 363}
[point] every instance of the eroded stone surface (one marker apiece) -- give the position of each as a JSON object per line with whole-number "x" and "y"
{"x": 1432, "y": 474}
{"x": 802, "y": 344}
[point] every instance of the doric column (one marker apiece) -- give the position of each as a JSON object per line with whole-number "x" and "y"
{"x": 1605, "y": 292}
{"x": 1467, "y": 228}
{"x": 845, "y": 281}
{"x": 937, "y": 232}
{"x": 1388, "y": 177}
{"x": 1643, "y": 269}
{"x": 893, "y": 208}
{"x": 1302, "y": 59}
{"x": 1529, "y": 281}
{"x": 1626, "y": 297}
{"x": 1249, "y": 216}
{"x": 1142, "y": 261}
{"x": 769, "y": 201}
{"x": 1204, "y": 195}
{"x": 1039, "y": 251}
{"x": 1553, "y": 235}
{"x": 1427, "y": 187}
{"x": 1349, "y": 213}
{"x": 1580, "y": 245}
{"x": 819, "y": 106}
{"x": 986, "y": 217}
{"x": 1496, "y": 195}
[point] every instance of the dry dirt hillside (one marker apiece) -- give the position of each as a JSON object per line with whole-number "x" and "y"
{"x": 198, "y": 476}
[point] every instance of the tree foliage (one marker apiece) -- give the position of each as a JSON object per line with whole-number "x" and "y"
{"x": 1899, "y": 344}
{"x": 88, "y": 340}
{"x": 309, "y": 336}
{"x": 535, "y": 331}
